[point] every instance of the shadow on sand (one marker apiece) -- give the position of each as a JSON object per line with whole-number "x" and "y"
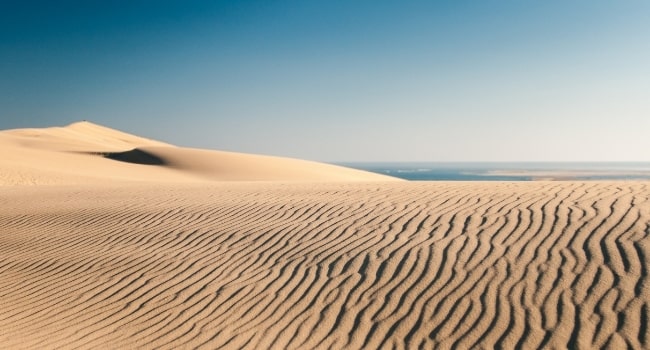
{"x": 135, "y": 156}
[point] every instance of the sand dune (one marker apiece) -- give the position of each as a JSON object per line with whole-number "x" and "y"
{"x": 330, "y": 265}
{"x": 86, "y": 153}
{"x": 140, "y": 244}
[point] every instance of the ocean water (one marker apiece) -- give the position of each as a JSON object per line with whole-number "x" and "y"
{"x": 520, "y": 171}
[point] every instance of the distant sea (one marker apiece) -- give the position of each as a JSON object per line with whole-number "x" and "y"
{"x": 521, "y": 171}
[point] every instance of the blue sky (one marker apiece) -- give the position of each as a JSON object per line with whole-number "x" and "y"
{"x": 340, "y": 80}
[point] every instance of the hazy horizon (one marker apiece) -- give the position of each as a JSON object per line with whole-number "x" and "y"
{"x": 464, "y": 81}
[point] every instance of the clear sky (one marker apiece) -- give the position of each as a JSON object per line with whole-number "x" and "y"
{"x": 484, "y": 80}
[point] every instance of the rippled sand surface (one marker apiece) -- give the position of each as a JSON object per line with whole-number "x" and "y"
{"x": 325, "y": 265}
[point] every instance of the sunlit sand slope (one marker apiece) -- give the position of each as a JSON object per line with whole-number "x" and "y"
{"x": 86, "y": 153}
{"x": 299, "y": 266}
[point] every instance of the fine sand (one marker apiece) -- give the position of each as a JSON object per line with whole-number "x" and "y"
{"x": 86, "y": 153}
{"x": 165, "y": 249}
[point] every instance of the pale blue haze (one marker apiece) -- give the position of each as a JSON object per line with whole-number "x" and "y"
{"x": 340, "y": 80}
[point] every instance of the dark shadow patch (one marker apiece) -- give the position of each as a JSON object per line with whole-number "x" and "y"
{"x": 135, "y": 156}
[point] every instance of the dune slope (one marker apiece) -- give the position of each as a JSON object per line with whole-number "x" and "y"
{"x": 337, "y": 265}
{"x": 86, "y": 153}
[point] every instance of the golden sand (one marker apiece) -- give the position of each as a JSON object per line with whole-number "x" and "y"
{"x": 190, "y": 261}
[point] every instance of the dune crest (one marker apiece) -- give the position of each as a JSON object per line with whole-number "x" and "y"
{"x": 88, "y": 153}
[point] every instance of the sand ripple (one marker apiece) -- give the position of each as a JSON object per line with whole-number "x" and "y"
{"x": 395, "y": 265}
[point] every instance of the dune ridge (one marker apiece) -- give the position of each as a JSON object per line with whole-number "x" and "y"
{"x": 87, "y": 153}
{"x": 331, "y": 265}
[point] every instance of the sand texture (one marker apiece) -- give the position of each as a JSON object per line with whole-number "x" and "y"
{"x": 325, "y": 265}
{"x": 113, "y": 241}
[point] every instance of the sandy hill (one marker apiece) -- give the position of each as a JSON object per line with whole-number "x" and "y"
{"x": 84, "y": 152}
{"x": 176, "y": 257}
